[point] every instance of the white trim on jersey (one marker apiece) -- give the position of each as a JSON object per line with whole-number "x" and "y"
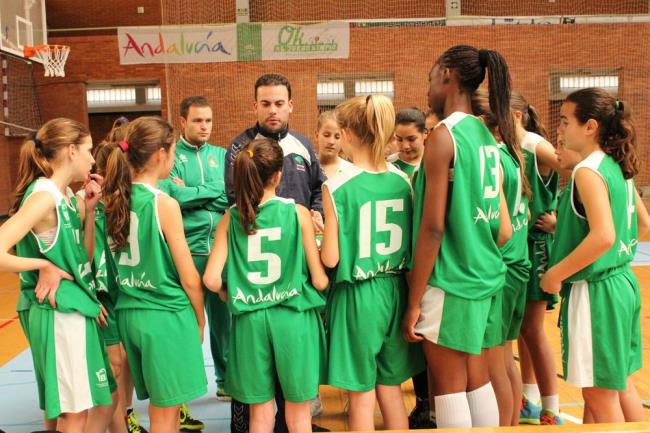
{"x": 71, "y": 366}
{"x": 580, "y": 365}
{"x": 339, "y": 180}
{"x": 400, "y": 173}
{"x": 281, "y": 199}
{"x": 156, "y": 192}
{"x": 450, "y": 122}
{"x": 44, "y": 184}
{"x": 342, "y": 177}
{"x": 592, "y": 162}
{"x": 529, "y": 143}
{"x": 517, "y": 206}
{"x": 431, "y": 308}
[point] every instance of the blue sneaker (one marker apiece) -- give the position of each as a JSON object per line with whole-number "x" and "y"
{"x": 549, "y": 418}
{"x": 529, "y": 413}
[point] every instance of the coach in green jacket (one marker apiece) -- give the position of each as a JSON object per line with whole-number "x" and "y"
{"x": 197, "y": 183}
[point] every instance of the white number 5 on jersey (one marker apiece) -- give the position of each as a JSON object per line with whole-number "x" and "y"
{"x": 255, "y": 254}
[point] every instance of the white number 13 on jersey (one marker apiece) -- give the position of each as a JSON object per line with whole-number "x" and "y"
{"x": 255, "y": 254}
{"x": 365, "y": 228}
{"x": 486, "y": 153}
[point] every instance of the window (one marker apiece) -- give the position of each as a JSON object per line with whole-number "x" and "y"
{"x": 123, "y": 97}
{"x": 119, "y": 96}
{"x": 565, "y": 81}
{"x": 368, "y": 87}
{"x": 332, "y": 89}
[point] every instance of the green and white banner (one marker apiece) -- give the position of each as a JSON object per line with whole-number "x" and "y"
{"x": 234, "y": 42}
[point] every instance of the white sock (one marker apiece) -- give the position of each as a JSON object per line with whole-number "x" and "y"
{"x": 483, "y": 406}
{"x": 531, "y": 391}
{"x": 452, "y": 411}
{"x": 552, "y": 403}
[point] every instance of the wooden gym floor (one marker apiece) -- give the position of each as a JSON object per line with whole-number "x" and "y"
{"x": 13, "y": 344}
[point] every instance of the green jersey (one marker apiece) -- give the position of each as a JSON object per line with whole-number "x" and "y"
{"x": 203, "y": 199}
{"x": 103, "y": 264}
{"x": 408, "y": 168}
{"x": 147, "y": 275}
{"x": 66, "y": 251}
{"x": 469, "y": 263}
{"x": 268, "y": 267}
{"x": 544, "y": 190}
{"x": 419, "y": 182}
{"x": 374, "y": 212}
{"x": 573, "y": 226}
{"x": 515, "y": 251}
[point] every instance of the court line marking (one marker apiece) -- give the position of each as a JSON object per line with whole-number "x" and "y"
{"x": 8, "y": 322}
{"x": 573, "y": 419}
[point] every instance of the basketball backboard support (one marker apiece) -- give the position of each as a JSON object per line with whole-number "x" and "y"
{"x": 22, "y": 23}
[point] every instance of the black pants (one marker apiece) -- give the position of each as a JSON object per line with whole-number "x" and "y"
{"x": 421, "y": 385}
{"x": 240, "y": 413}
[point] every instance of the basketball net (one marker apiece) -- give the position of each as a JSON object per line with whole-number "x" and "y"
{"x": 52, "y": 56}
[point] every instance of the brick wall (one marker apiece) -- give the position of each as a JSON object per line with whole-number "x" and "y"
{"x": 556, "y": 7}
{"x": 9, "y": 152}
{"x": 65, "y": 14}
{"x": 407, "y": 52}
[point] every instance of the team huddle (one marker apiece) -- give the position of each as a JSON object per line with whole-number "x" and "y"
{"x": 376, "y": 261}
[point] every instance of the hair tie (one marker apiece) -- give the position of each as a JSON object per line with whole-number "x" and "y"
{"x": 250, "y": 153}
{"x": 368, "y": 98}
{"x": 123, "y": 145}
{"x": 483, "y": 57}
{"x": 37, "y": 143}
{"x": 618, "y": 105}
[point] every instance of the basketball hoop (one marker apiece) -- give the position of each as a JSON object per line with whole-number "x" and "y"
{"x": 52, "y": 56}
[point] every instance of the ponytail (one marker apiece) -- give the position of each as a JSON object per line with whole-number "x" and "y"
{"x": 31, "y": 166}
{"x": 142, "y": 138}
{"x": 372, "y": 119}
{"x": 471, "y": 66}
{"x": 380, "y": 118}
{"x": 616, "y": 131}
{"x": 620, "y": 142}
{"x": 499, "y": 94}
{"x": 249, "y": 189}
{"x": 254, "y": 167}
{"x": 529, "y": 118}
{"x": 117, "y": 196}
{"x": 39, "y": 150}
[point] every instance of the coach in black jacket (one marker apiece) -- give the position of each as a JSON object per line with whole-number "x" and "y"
{"x": 302, "y": 176}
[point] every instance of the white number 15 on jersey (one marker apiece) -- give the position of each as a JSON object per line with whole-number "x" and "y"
{"x": 366, "y": 228}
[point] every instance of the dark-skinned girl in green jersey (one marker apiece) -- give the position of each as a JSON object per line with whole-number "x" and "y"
{"x": 458, "y": 269}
